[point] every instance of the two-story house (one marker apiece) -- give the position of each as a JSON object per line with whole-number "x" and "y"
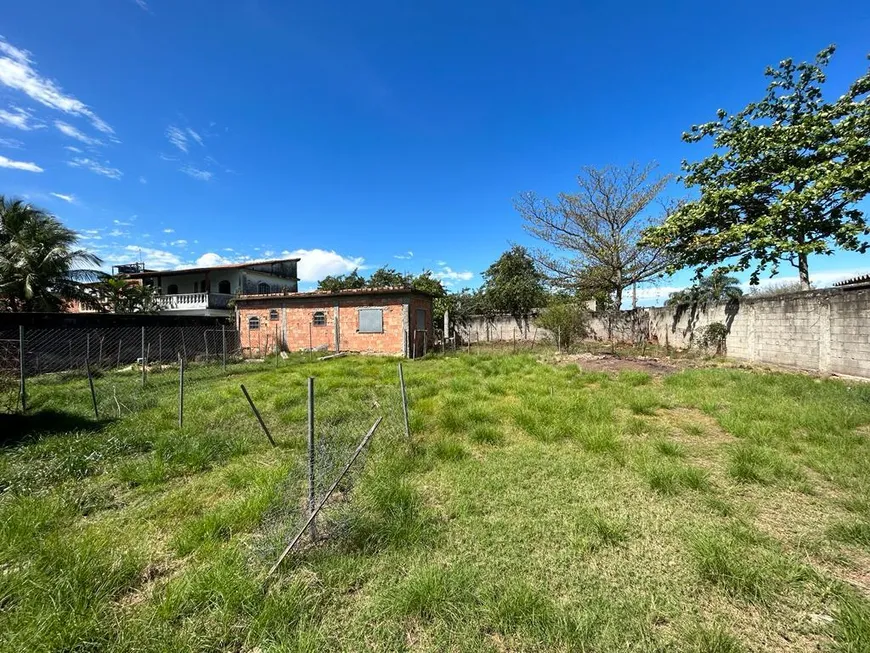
{"x": 208, "y": 290}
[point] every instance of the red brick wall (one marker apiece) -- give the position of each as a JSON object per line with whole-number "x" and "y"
{"x": 297, "y": 332}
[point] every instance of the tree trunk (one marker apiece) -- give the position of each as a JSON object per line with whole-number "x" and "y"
{"x": 804, "y": 271}
{"x": 617, "y": 299}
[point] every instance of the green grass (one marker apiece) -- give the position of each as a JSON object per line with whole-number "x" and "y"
{"x": 537, "y": 507}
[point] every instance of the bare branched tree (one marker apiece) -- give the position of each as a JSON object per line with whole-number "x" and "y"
{"x": 594, "y": 234}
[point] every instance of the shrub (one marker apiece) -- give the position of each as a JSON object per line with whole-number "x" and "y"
{"x": 568, "y": 322}
{"x": 714, "y": 335}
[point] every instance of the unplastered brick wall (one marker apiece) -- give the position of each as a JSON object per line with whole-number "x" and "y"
{"x": 330, "y": 323}
{"x": 823, "y": 331}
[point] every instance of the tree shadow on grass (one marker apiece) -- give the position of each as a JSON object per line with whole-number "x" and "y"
{"x": 15, "y": 428}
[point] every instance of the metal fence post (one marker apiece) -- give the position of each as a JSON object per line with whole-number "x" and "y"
{"x": 404, "y": 402}
{"x": 143, "y": 357}
{"x": 224, "y": 346}
{"x": 93, "y": 393}
{"x": 180, "y": 390}
{"x": 23, "y": 369}
{"x": 313, "y": 529}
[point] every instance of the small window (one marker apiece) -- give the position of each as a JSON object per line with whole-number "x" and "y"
{"x": 273, "y": 315}
{"x": 371, "y": 320}
{"x": 224, "y": 287}
{"x": 172, "y": 289}
{"x": 421, "y": 319}
{"x": 263, "y": 288}
{"x": 253, "y": 323}
{"x": 319, "y": 318}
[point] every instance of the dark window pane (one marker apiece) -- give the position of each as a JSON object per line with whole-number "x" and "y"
{"x": 319, "y": 318}
{"x": 253, "y": 323}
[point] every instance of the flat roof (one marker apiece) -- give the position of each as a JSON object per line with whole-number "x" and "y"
{"x": 391, "y": 290}
{"x": 228, "y": 266}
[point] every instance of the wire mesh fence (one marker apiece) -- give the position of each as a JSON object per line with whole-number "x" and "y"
{"x": 127, "y": 367}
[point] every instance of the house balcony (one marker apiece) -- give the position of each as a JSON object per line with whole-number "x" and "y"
{"x": 195, "y": 303}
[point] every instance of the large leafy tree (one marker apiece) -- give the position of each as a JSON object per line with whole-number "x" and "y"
{"x": 782, "y": 182}
{"x": 120, "y": 295}
{"x": 513, "y": 284}
{"x": 39, "y": 261}
{"x": 335, "y": 282}
{"x": 593, "y": 237}
{"x": 386, "y": 277}
{"x": 710, "y": 289}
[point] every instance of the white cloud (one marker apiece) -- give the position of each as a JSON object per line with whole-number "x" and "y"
{"x": 19, "y": 119}
{"x": 169, "y": 231}
{"x": 447, "y": 274}
{"x": 143, "y": 5}
{"x": 98, "y": 168}
{"x": 155, "y": 258}
{"x": 177, "y": 137}
{"x": 19, "y": 165}
{"x": 407, "y": 255}
{"x": 318, "y": 263}
{"x": 11, "y": 143}
{"x": 179, "y": 243}
{"x": 210, "y": 258}
{"x": 194, "y": 136}
{"x": 142, "y": 180}
{"x": 17, "y": 72}
{"x": 124, "y": 223}
{"x": 66, "y": 198}
{"x": 196, "y": 173}
{"x": 73, "y": 148}
{"x": 116, "y": 233}
{"x": 72, "y": 132}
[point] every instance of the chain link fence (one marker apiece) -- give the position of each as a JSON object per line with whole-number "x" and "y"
{"x": 129, "y": 367}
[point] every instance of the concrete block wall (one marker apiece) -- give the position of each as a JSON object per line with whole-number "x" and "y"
{"x": 824, "y": 331}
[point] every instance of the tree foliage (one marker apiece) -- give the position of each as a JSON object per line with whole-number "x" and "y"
{"x": 120, "y": 295}
{"x": 782, "y": 182}
{"x": 39, "y": 261}
{"x": 711, "y": 289}
{"x": 513, "y": 284}
{"x": 386, "y": 277}
{"x": 595, "y": 234}
{"x": 350, "y": 281}
{"x": 568, "y": 322}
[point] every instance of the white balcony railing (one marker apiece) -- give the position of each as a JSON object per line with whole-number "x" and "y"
{"x": 193, "y": 301}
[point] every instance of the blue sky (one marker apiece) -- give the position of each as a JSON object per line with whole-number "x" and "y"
{"x": 364, "y": 134}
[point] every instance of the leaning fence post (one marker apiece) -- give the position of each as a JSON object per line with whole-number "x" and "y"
{"x": 180, "y": 391}
{"x": 313, "y": 528}
{"x": 257, "y": 414}
{"x": 93, "y": 393}
{"x": 143, "y": 357}
{"x": 224, "y": 346}
{"x": 404, "y": 402}
{"x": 22, "y": 367}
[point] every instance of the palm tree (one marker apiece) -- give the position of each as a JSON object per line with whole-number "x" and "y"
{"x": 39, "y": 263}
{"x": 717, "y": 287}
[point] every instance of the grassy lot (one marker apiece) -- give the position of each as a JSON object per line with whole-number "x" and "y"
{"x": 542, "y": 507}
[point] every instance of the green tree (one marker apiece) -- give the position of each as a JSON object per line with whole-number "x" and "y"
{"x": 716, "y": 287}
{"x": 350, "y": 281}
{"x": 386, "y": 277}
{"x": 39, "y": 261}
{"x": 513, "y": 284}
{"x": 568, "y": 322}
{"x": 594, "y": 236}
{"x": 782, "y": 182}
{"x": 426, "y": 282}
{"x": 120, "y": 295}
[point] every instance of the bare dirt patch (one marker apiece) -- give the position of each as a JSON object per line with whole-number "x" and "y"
{"x": 613, "y": 363}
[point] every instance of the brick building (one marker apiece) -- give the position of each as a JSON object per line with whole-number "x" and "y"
{"x": 395, "y": 321}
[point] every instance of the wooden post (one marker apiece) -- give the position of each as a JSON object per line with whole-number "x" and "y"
{"x": 257, "y": 415}
{"x": 93, "y": 393}
{"x": 22, "y": 369}
{"x": 404, "y": 403}
{"x": 143, "y": 357}
{"x": 180, "y": 390}
{"x": 224, "y": 346}
{"x": 276, "y": 346}
{"x": 205, "y": 340}
{"x": 313, "y": 528}
{"x": 119, "y": 352}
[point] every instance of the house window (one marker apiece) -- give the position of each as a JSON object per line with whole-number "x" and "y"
{"x": 253, "y": 323}
{"x": 263, "y": 288}
{"x": 224, "y": 287}
{"x": 371, "y": 320}
{"x": 172, "y": 289}
{"x": 273, "y": 315}
{"x": 319, "y": 318}
{"x": 421, "y": 319}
